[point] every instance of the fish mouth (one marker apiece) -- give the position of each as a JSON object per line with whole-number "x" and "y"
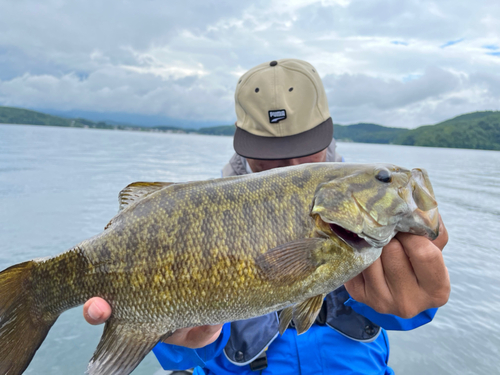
{"x": 359, "y": 241}
{"x": 354, "y": 240}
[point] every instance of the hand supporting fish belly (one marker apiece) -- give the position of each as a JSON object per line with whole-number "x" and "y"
{"x": 208, "y": 252}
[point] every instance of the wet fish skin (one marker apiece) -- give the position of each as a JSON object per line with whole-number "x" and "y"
{"x": 215, "y": 251}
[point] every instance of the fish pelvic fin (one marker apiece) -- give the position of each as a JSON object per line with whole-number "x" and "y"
{"x": 123, "y": 347}
{"x": 285, "y": 318}
{"x": 305, "y": 313}
{"x": 22, "y": 329}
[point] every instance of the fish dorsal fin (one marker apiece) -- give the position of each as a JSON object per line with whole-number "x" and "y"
{"x": 138, "y": 190}
{"x": 291, "y": 261}
{"x": 305, "y": 313}
{"x": 135, "y": 192}
{"x": 123, "y": 347}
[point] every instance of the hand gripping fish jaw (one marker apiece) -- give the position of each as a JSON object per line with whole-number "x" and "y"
{"x": 367, "y": 209}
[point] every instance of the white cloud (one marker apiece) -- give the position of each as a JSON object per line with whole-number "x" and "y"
{"x": 381, "y": 60}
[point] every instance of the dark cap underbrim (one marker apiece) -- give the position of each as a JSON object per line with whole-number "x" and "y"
{"x": 274, "y": 148}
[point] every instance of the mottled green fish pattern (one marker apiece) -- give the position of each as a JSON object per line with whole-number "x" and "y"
{"x": 207, "y": 252}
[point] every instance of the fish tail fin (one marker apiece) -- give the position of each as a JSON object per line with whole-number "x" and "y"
{"x": 22, "y": 328}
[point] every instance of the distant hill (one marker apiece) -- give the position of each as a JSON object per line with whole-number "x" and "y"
{"x": 12, "y": 115}
{"x": 168, "y": 129}
{"x": 218, "y": 130}
{"x": 478, "y": 130}
{"x": 367, "y": 133}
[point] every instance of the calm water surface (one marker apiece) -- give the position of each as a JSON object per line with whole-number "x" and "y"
{"x": 59, "y": 186}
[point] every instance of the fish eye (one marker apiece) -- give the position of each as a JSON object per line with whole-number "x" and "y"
{"x": 383, "y": 175}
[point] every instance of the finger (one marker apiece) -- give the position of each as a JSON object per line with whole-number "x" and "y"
{"x": 377, "y": 292}
{"x": 96, "y": 311}
{"x": 399, "y": 274}
{"x": 442, "y": 239}
{"x": 428, "y": 264}
{"x": 356, "y": 288}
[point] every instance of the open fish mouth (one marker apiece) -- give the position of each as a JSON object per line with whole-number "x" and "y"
{"x": 352, "y": 239}
{"x": 359, "y": 241}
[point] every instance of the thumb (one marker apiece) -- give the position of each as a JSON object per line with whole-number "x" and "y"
{"x": 96, "y": 311}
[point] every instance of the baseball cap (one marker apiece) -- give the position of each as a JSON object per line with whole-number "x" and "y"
{"x": 282, "y": 111}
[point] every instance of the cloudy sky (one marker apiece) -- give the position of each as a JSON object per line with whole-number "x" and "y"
{"x": 399, "y": 63}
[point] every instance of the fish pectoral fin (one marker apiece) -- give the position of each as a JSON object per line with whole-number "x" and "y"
{"x": 285, "y": 318}
{"x": 291, "y": 261}
{"x": 138, "y": 190}
{"x": 305, "y": 313}
{"x": 123, "y": 347}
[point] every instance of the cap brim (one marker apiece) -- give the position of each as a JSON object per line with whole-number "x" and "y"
{"x": 274, "y": 148}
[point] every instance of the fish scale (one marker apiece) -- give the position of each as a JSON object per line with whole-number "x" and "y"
{"x": 208, "y": 252}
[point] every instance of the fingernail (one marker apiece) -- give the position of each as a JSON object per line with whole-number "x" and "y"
{"x": 94, "y": 312}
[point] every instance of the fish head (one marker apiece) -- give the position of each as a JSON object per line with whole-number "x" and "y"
{"x": 368, "y": 205}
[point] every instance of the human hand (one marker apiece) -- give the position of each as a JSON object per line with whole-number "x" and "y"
{"x": 409, "y": 277}
{"x": 195, "y": 337}
{"x": 97, "y": 311}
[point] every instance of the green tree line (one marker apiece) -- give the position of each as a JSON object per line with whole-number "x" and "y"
{"x": 478, "y": 130}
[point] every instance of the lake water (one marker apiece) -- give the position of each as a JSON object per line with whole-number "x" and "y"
{"x": 59, "y": 186}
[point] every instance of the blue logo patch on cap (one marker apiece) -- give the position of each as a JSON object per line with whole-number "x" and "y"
{"x": 277, "y": 115}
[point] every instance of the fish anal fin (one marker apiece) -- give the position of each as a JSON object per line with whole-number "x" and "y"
{"x": 305, "y": 313}
{"x": 123, "y": 347}
{"x": 291, "y": 261}
{"x": 285, "y": 318}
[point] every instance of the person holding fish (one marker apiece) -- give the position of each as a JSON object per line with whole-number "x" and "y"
{"x": 284, "y": 120}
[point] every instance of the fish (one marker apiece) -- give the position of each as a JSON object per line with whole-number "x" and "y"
{"x": 189, "y": 254}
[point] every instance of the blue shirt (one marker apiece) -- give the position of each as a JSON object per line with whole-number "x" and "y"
{"x": 321, "y": 350}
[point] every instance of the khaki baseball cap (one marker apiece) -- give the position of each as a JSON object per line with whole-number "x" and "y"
{"x": 282, "y": 111}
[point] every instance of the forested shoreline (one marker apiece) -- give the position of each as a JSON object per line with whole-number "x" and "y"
{"x": 477, "y": 130}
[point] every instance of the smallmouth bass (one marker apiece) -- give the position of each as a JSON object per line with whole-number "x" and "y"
{"x": 208, "y": 252}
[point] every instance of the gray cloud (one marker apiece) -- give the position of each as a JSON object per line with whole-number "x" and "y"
{"x": 348, "y": 90}
{"x": 122, "y": 91}
{"x": 181, "y": 60}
